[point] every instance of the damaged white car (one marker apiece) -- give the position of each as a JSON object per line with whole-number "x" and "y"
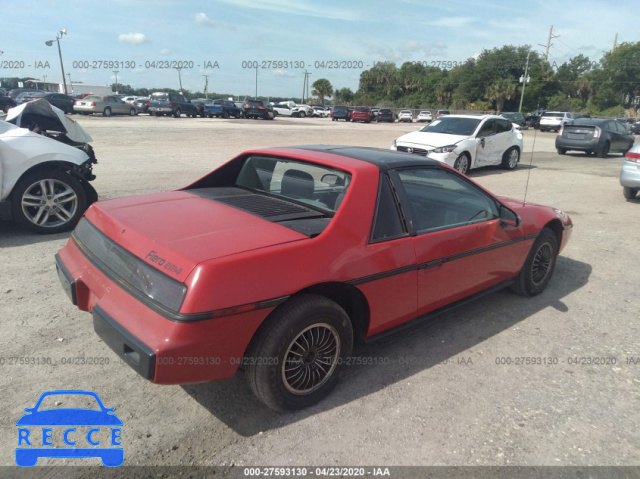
{"x": 46, "y": 164}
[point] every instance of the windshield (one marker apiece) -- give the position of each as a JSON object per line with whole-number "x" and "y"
{"x": 314, "y": 185}
{"x": 453, "y": 126}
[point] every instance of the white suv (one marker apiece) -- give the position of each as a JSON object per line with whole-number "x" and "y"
{"x": 405, "y": 115}
{"x": 553, "y": 120}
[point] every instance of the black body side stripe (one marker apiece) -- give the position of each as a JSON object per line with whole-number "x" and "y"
{"x": 438, "y": 262}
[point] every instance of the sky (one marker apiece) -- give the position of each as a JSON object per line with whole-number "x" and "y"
{"x": 223, "y": 40}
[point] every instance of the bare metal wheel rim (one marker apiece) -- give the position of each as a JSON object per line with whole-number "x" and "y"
{"x": 49, "y": 203}
{"x": 541, "y": 266}
{"x": 513, "y": 158}
{"x": 311, "y": 358}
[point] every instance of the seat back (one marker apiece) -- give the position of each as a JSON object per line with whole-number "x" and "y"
{"x": 297, "y": 183}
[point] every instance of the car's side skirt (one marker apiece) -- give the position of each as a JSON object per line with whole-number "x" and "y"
{"x": 445, "y": 309}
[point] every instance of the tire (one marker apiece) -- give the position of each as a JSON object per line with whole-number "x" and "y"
{"x": 225, "y": 114}
{"x": 106, "y": 112}
{"x": 132, "y": 112}
{"x": 462, "y": 163}
{"x": 588, "y": 153}
{"x": 210, "y": 115}
{"x": 562, "y": 151}
{"x": 36, "y": 201}
{"x": 302, "y": 114}
{"x": 543, "y": 129}
{"x": 629, "y": 193}
{"x": 510, "y": 158}
{"x": 270, "y": 115}
{"x": 604, "y": 151}
{"x": 538, "y": 268}
{"x": 177, "y": 113}
{"x": 309, "y": 327}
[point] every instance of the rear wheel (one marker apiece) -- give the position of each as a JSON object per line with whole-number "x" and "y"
{"x": 462, "y": 163}
{"x": 295, "y": 358}
{"x": 538, "y": 268}
{"x": 302, "y": 114}
{"x": 604, "y": 150}
{"x": 511, "y": 158}
{"x": 106, "y": 112}
{"x": 225, "y": 114}
{"x": 629, "y": 193}
{"x": 562, "y": 151}
{"x": 132, "y": 112}
{"x": 177, "y": 113}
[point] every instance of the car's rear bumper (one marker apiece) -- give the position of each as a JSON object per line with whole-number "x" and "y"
{"x": 87, "y": 109}
{"x": 156, "y": 109}
{"x": 630, "y": 175}
{"x": 159, "y": 349}
{"x": 581, "y": 145}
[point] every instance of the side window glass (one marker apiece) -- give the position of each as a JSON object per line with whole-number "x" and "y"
{"x": 503, "y": 126}
{"x": 486, "y": 129}
{"x": 387, "y": 223}
{"x": 440, "y": 199}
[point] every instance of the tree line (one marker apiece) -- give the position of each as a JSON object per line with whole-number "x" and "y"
{"x": 494, "y": 81}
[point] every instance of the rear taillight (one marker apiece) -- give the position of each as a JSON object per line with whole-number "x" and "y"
{"x": 170, "y": 104}
{"x": 148, "y": 103}
{"x": 633, "y": 157}
{"x": 93, "y": 103}
{"x": 260, "y": 107}
{"x": 596, "y": 133}
{"x": 247, "y": 106}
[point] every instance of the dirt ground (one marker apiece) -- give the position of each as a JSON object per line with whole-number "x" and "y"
{"x": 441, "y": 398}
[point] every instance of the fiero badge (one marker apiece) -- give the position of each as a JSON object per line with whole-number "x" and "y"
{"x": 63, "y": 432}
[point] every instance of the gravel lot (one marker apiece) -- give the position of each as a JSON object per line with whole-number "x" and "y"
{"x": 439, "y": 399}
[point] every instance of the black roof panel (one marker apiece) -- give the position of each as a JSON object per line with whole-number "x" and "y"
{"x": 383, "y": 159}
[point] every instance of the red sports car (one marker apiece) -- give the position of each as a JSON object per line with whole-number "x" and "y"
{"x": 283, "y": 258}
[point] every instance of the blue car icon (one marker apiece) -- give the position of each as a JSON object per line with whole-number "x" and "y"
{"x": 36, "y": 431}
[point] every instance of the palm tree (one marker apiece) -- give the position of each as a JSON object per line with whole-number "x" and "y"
{"x": 321, "y": 88}
{"x": 501, "y": 90}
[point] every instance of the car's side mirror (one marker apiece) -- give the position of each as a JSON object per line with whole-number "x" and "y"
{"x": 508, "y": 217}
{"x": 330, "y": 179}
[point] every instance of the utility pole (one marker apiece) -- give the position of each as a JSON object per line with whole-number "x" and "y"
{"x": 551, "y": 36}
{"x": 615, "y": 43}
{"x": 179, "y": 78}
{"x": 116, "y": 73}
{"x": 305, "y": 85}
{"x": 206, "y": 85}
{"x": 524, "y": 79}
{"x": 256, "y": 97}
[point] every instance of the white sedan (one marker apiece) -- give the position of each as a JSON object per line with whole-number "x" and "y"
{"x": 466, "y": 141}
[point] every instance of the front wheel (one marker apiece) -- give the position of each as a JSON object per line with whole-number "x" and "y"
{"x": 629, "y": 193}
{"x": 302, "y": 114}
{"x": 511, "y": 158}
{"x": 49, "y": 201}
{"x": 177, "y": 113}
{"x": 295, "y": 359}
{"x": 106, "y": 112}
{"x": 462, "y": 164}
{"x": 132, "y": 112}
{"x": 538, "y": 268}
{"x": 562, "y": 151}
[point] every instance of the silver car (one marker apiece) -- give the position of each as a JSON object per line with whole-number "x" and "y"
{"x": 630, "y": 173}
{"x": 106, "y": 104}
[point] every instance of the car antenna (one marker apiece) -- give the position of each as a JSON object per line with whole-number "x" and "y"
{"x": 533, "y": 147}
